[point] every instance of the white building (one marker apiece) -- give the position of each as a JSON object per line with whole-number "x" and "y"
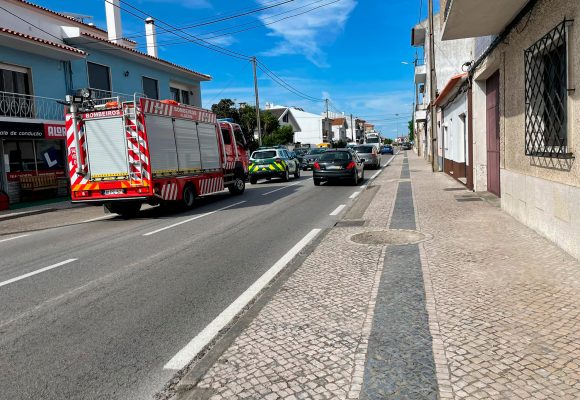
{"x": 307, "y": 126}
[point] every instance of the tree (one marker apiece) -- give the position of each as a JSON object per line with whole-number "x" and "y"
{"x": 388, "y": 141}
{"x": 269, "y": 122}
{"x": 411, "y": 131}
{"x": 248, "y": 122}
{"x": 226, "y": 108}
{"x": 281, "y": 135}
{"x": 341, "y": 144}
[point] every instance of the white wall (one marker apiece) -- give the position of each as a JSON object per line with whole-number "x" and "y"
{"x": 479, "y": 136}
{"x": 455, "y": 129}
{"x": 310, "y": 127}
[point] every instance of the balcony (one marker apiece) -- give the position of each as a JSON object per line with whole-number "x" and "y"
{"x": 420, "y": 74}
{"x": 475, "y": 18}
{"x": 420, "y": 116}
{"x": 16, "y": 105}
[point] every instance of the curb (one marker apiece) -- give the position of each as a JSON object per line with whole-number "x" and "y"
{"x": 21, "y": 214}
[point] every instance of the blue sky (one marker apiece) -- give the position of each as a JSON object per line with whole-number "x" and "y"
{"x": 350, "y": 51}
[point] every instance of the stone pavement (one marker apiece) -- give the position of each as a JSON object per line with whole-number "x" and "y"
{"x": 482, "y": 308}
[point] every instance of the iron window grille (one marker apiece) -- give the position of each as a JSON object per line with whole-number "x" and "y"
{"x": 546, "y": 95}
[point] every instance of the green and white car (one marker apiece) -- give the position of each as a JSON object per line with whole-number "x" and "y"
{"x": 273, "y": 163}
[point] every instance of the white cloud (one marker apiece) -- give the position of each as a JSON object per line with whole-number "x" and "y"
{"x": 306, "y": 34}
{"x": 224, "y": 41}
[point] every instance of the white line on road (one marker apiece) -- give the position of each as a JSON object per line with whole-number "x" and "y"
{"x": 338, "y": 209}
{"x": 38, "y": 271}
{"x": 287, "y": 186}
{"x": 12, "y": 238}
{"x": 98, "y": 218}
{"x": 375, "y": 175}
{"x": 354, "y": 195}
{"x": 192, "y": 219}
{"x": 198, "y": 343}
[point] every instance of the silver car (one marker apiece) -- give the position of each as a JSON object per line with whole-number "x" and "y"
{"x": 370, "y": 154}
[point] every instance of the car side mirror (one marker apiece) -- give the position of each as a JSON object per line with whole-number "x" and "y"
{"x": 362, "y": 160}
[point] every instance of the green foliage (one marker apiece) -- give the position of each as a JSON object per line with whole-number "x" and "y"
{"x": 226, "y": 108}
{"x": 388, "y": 141}
{"x": 281, "y": 135}
{"x": 341, "y": 144}
{"x": 269, "y": 122}
{"x": 411, "y": 131}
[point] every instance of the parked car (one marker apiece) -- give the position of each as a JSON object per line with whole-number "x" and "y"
{"x": 370, "y": 154}
{"x": 300, "y": 153}
{"x": 311, "y": 157}
{"x": 407, "y": 146}
{"x": 387, "y": 149}
{"x": 339, "y": 164}
{"x": 273, "y": 163}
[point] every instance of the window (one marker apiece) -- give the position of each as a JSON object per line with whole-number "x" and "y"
{"x": 239, "y": 136}
{"x": 99, "y": 77}
{"x": 546, "y": 72}
{"x": 285, "y": 118}
{"x": 150, "y": 88}
{"x": 180, "y": 95}
{"x": 226, "y": 135}
{"x": 15, "y": 102}
{"x": 20, "y": 155}
{"x": 33, "y": 155}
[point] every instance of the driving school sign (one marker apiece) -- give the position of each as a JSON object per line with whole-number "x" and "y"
{"x": 30, "y": 130}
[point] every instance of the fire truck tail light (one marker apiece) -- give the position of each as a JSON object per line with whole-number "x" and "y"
{"x": 142, "y": 190}
{"x": 83, "y": 193}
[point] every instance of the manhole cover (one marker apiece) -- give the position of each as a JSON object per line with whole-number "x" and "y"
{"x": 393, "y": 236}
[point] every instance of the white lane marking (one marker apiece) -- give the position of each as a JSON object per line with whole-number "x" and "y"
{"x": 287, "y": 186}
{"x": 363, "y": 187}
{"x": 354, "y": 195}
{"x": 338, "y": 209}
{"x": 191, "y": 219}
{"x": 38, "y": 271}
{"x": 375, "y": 175}
{"x": 98, "y": 218}
{"x": 198, "y": 343}
{"x": 12, "y": 238}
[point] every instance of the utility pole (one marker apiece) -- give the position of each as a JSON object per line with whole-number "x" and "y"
{"x": 433, "y": 90}
{"x": 259, "y": 123}
{"x": 326, "y": 124}
{"x": 351, "y": 129}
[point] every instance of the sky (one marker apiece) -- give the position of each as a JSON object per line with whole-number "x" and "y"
{"x": 352, "y": 52}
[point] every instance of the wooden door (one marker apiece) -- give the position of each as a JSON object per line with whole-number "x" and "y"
{"x": 493, "y": 142}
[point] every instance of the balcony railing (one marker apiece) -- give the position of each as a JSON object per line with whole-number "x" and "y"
{"x": 16, "y": 105}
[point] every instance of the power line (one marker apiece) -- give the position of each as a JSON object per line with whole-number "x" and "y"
{"x": 283, "y": 83}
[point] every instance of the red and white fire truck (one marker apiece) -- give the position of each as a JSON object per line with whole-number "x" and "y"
{"x": 126, "y": 153}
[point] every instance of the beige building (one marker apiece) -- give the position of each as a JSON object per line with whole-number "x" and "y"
{"x": 525, "y": 109}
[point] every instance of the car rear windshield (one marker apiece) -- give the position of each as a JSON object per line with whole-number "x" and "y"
{"x": 317, "y": 151}
{"x": 364, "y": 149}
{"x": 336, "y": 156}
{"x": 262, "y": 155}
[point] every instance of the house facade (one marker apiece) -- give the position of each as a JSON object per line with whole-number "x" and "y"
{"x": 339, "y": 128}
{"x": 47, "y": 55}
{"x": 307, "y": 126}
{"x": 525, "y": 108}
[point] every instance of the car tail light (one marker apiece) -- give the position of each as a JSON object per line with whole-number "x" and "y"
{"x": 317, "y": 166}
{"x": 351, "y": 165}
{"x": 278, "y": 160}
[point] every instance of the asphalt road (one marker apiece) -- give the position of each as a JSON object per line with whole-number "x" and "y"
{"x": 95, "y": 310}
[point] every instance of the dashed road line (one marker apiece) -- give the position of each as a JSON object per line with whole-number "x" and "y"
{"x": 286, "y": 186}
{"x": 13, "y": 238}
{"x": 191, "y": 219}
{"x": 38, "y": 271}
{"x": 198, "y": 343}
{"x": 338, "y": 210}
{"x": 354, "y": 195}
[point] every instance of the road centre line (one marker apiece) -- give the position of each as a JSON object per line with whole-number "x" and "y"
{"x": 38, "y": 271}
{"x": 12, "y": 238}
{"x": 198, "y": 343}
{"x": 354, "y": 195}
{"x": 284, "y": 187}
{"x": 192, "y": 219}
{"x": 338, "y": 209}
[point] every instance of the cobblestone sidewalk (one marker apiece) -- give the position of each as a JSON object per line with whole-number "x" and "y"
{"x": 485, "y": 308}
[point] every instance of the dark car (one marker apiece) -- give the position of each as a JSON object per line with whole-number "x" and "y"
{"x": 311, "y": 157}
{"x": 387, "y": 149}
{"x": 300, "y": 153}
{"x": 339, "y": 164}
{"x": 407, "y": 146}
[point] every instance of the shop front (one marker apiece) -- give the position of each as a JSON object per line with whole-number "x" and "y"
{"x": 32, "y": 149}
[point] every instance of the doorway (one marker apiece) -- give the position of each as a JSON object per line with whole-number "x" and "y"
{"x": 492, "y": 133}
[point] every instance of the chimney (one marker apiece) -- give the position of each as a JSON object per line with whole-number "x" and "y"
{"x": 113, "y": 11}
{"x": 151, "y": 37}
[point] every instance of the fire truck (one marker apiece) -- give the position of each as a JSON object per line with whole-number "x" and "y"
{"x": 126, "y": 152}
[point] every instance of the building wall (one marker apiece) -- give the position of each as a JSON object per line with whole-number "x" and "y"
{"x": 48, "y": 75}
{"x": 455, "y": 129}
{"x": 479, "y": 136}
{"x": 310, "y": 128}
{"x": 541, "y": 192}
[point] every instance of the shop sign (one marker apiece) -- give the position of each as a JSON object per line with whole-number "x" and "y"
{"x": 29, "y": 130}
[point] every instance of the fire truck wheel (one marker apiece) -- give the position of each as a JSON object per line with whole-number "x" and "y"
{"x": 253, "y": 180}
{"x": 125, "y": 210}
{"x": 238, "y": 186}
{"x": 188, "y": 198}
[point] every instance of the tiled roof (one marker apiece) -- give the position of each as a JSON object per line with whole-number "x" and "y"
{"x": 139, "y": 53}
{"x": 42, "y": 41}
{"x": 338, "y": 121}
{"x": 456, "y": 79}
{"x": 49, "y": 11}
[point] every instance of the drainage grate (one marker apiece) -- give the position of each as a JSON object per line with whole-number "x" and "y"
{"x": 469, "y": 199}
{"x": 347, "y": 223}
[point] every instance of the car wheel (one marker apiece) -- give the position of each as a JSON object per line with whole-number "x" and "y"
{"x": 188, "y": 198}
{"x": 286, "y": 176}
{"x": 316, "y": 182}
{"x": 362, "y": 176}
{"x": 253, "y": 180}
{"x": 355, "y": 178}
{"x": 297, "y": 173}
